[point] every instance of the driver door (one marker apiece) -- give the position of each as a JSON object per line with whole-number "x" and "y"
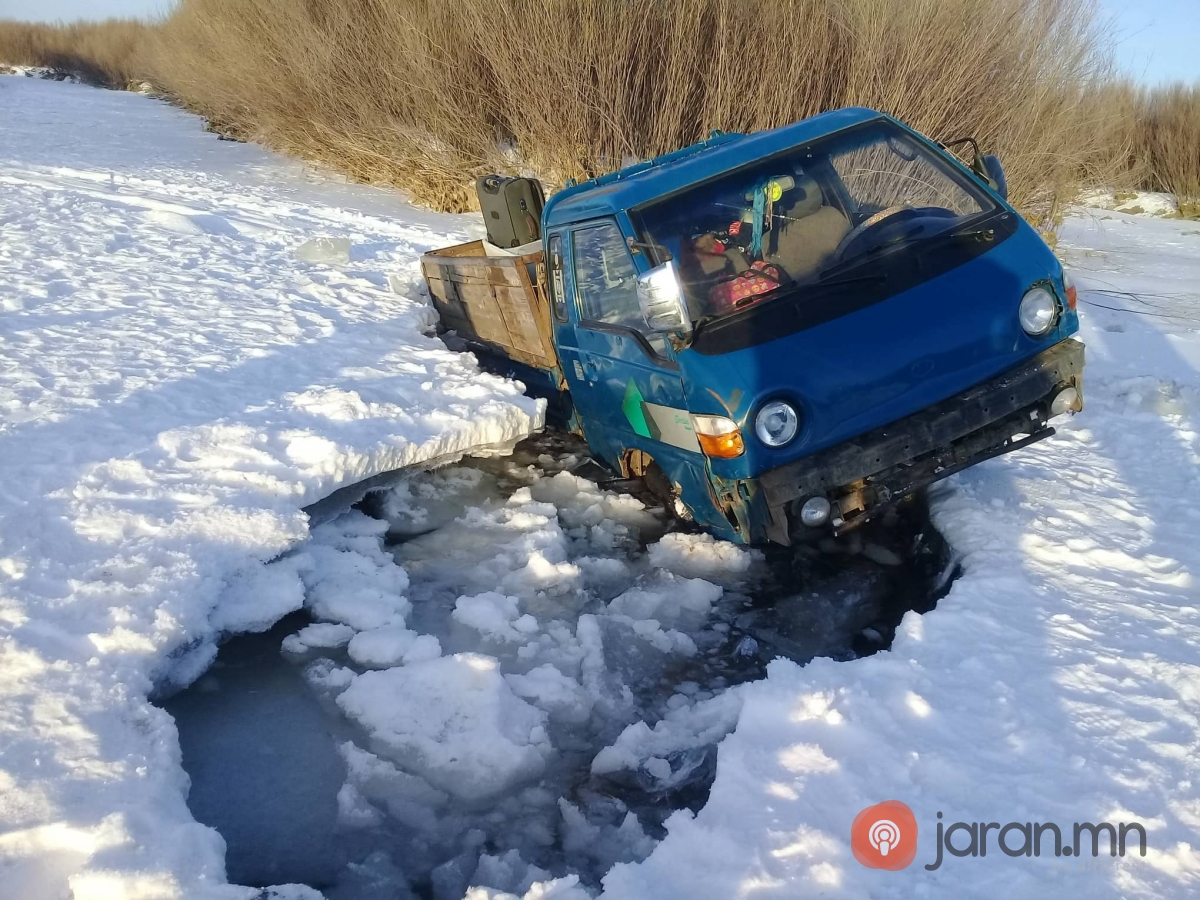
{"x": 625, "y": 382}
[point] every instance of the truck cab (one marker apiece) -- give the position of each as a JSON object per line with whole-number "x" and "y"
{"x": 789, "y": 330}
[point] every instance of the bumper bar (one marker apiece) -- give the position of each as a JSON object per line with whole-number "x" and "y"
{"x": 862, "y": 475}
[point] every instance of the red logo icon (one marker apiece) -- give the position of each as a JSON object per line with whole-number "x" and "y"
{"x": 884, "y": 836}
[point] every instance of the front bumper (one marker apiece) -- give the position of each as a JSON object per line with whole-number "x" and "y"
{"x": 863, "y": 475}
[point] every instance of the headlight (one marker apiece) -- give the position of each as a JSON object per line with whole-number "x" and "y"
{"x": 776, "y": 423}
{"x": 1038, "y": 312}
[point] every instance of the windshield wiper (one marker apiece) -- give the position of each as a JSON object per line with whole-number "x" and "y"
{"x": 908, "y": 239}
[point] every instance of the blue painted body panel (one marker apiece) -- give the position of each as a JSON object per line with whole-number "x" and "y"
{"x": 847, "y": 376}
{"x": 884, "y": 362}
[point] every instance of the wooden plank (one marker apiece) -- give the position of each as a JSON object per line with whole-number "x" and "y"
{"x": 494, "y": 301}
{"x": 484, "y": 313}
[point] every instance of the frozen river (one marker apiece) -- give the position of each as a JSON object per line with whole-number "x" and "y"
{"x": 554, "y": 665}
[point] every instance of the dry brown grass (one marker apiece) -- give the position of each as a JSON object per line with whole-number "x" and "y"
{"x": 427, "y": 94}
{"x": 423, "y": 93}
{"x": 110, "y": 54}
{"x": 1167, "y": 143}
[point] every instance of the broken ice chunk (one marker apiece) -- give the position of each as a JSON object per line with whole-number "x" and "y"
{"x": 667, "y": 599}
{"x": 454, "y": 721}
{"x": 319, "y": 634}
{"x": 391, "y": 645}
{"x": 495, "y": 616}
{"x": 747, "y": 646}
{"x": 558, "y": 694}
{"x": 702, "y": 556}
{"x": 325, "y": 251}
{"x": 325, "y": 674}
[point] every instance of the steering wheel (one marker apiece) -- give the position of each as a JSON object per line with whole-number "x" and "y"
{"x": 870, "y": 222}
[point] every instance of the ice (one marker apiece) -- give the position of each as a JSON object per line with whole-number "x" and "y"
{"x": 701, "y": 556}
{"x": 452, "y": 878}
{"x": 547, "y": 688}
{"x": 508, "y": 872}
{"x": 495, "y": 616}
{"x": 321, "y": 635}
{"x": 256, "y": 598}
{"x": 325, "y": 251}
{"x": 375, "y": 785}
{"x": 427, "y": 501}
{"x": 455, "y": 721}
{"x": 326, "y": 675}
{"x": 605, "y": 844}
{"x": 375, "y": 878}
{"x": 557, "y": 889}
{"x": 354, "y": 811}
{"x": 668, "y": 599}
{"x": 391, "y": 645}
{"x": 688, "y": 726}
{"x": 747, "y": 646}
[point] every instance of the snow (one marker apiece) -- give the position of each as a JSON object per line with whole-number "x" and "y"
{"x": 175, "y": 386}
{"x": 1140, "y": 203}
{"x": 1059, "y": 681}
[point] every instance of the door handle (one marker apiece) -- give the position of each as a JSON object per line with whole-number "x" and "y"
{"x": 592, "y": 370}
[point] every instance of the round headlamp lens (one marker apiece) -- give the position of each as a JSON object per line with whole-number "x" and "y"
{"x": 776, "y": 423}
{"x": 1038, "y": 312}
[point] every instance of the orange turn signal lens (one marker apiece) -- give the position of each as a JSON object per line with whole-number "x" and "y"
{"x": 1072, "y": 292}
{"x": 719, "y": 437}
{"x": 722, "y": 446}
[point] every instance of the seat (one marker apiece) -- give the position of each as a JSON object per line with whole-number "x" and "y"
{"x": 806, "y": 233}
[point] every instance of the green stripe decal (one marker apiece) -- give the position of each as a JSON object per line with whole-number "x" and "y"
{"x": 634, "y": 410}
{"x": 659, "y": 423}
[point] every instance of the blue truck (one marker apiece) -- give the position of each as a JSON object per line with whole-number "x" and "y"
{"x": 784, "y": 332}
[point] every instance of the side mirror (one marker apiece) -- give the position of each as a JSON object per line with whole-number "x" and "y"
{"x": 660, "y": 296}
{"x": 987, "y": 168}
{"x": 994, "y": 172}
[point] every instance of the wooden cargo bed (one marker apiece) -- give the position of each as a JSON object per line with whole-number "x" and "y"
{"x": 494, "y": 299}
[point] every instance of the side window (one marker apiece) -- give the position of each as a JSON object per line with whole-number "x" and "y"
{"x": 554, "y": 260}
{"x": 605, "y": 278}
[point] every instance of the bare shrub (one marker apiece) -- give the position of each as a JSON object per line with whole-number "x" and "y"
{"x": 427, "y": 94}
{"x": 110, "y": 54}
{"x": 1167, "y": 142}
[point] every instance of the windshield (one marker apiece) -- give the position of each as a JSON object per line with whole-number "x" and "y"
{"x": 808, "y": 216}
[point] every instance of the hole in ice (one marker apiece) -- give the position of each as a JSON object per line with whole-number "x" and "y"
{"x": 507, "y": 673}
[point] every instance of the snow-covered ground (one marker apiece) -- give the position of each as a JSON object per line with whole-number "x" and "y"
{"x": 174, "y": 387}
{"x": 155, "y": 458}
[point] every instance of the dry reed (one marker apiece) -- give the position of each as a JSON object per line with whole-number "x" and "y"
{"x": 110, "y": 54}
{"x": 427, "y": 94}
